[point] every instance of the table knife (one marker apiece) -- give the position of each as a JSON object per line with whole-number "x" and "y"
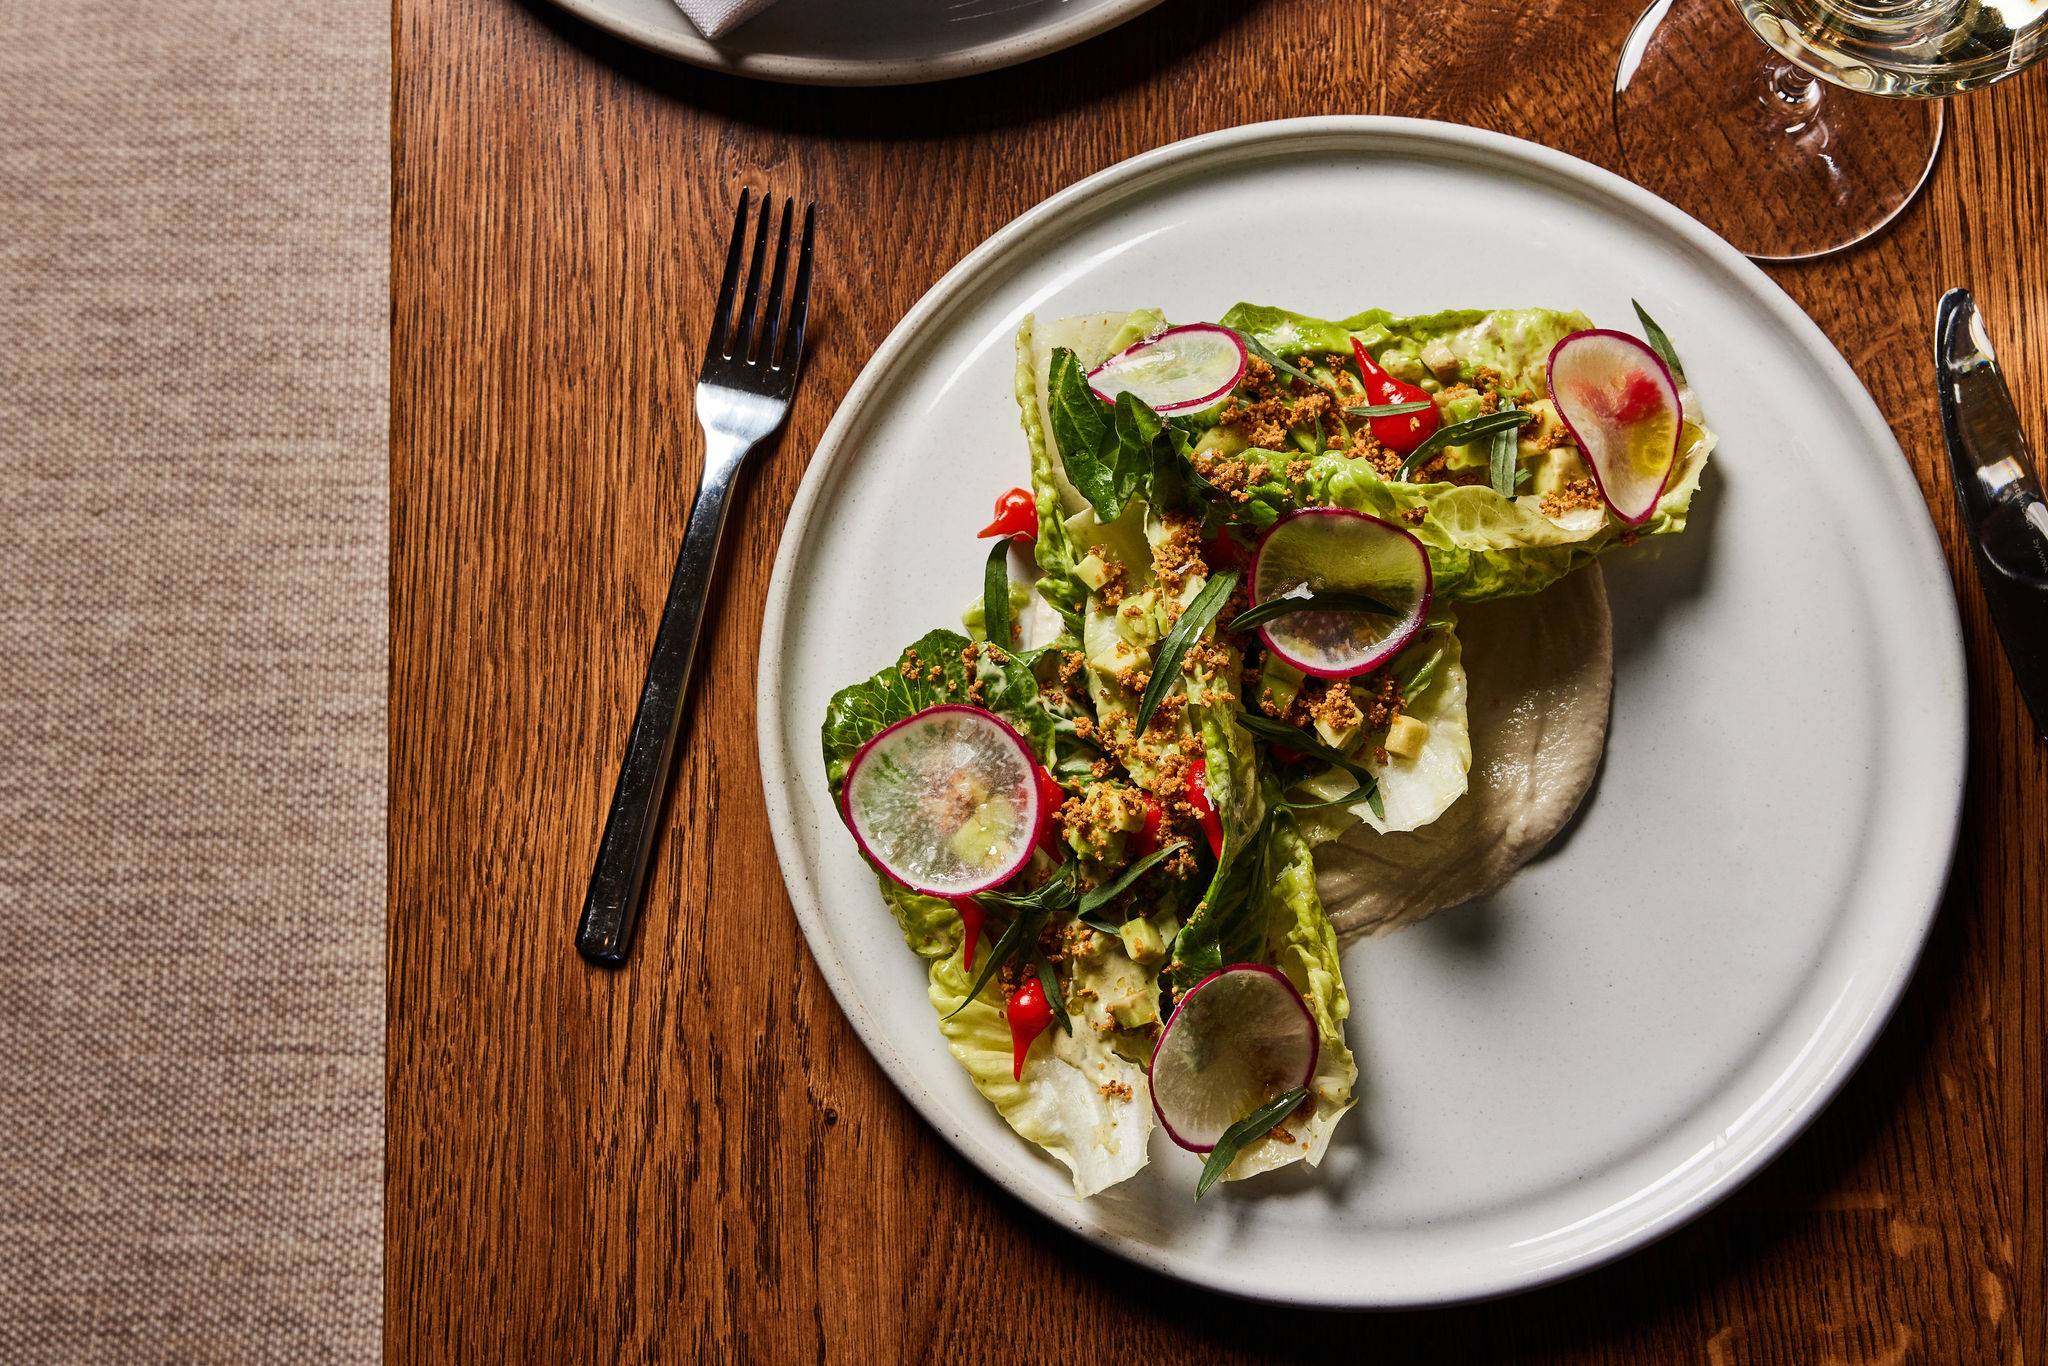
{"x": 1997, "y": 491}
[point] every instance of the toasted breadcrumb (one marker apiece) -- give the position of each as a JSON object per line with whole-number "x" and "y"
{"x": 1576, "y": 494}
{"x": 1178, "y": 556}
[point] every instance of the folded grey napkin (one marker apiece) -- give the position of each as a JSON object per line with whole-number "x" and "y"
{"x": 716, "y": 18}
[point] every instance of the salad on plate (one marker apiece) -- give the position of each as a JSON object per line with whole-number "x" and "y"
{"x": 1316, "y": 645}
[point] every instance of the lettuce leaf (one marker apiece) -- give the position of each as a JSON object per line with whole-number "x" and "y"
{"x": 861, "y": 711}
{"x": 1226, "y": 926}
{"x": 1413, "y": 792}
{"x": 1514, "y": 342}
{"x": 1054, "y": 549}
{"x": 930, "y": 925}
{"x": 1482, "y": 545}
{"x": 1287, "y": 333}
{"x": 1300, "y": 942}
{"x": 1079, "y": 1099}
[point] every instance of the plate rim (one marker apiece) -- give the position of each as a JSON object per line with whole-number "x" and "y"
{"x": 1376, "y": 135}
{"x": 690, "y": 46}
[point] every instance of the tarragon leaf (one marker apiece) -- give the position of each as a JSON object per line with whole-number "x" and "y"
{"x": 1022, "y": 930}
{"x": 1502, "y": 466}
{"x": 995, "y": 593}
{"x": 1390, "y": 409}
{"x": 1361, "y": 793}
{"x": 1458, "y": 433}
{"x": 1056, "y": 893}
{"x": 1049, "y": 983}
{"x": 1095, "y": 900}
{"x": 1244, "y": 1133}
{"x": 1660, "y": 343}
{"x": 1266, "y": 354}
{"x": 1194, "y": 619}
{"x": 1279, "y": 733}
{"x": 1310, "y": 602}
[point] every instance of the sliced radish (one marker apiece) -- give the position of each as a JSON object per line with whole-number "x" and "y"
{"x": 1337, "y": 550}
{"x": 947, "y": 801}
{"x": 1238, "y": 1039}
{"x": 1621, "y": 404}
{"x": 1182, "y": 368}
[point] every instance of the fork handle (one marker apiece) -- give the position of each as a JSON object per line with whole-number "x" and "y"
{"x": 611, "y": 907}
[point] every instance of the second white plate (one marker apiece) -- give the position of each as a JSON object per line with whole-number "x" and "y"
{"x": 1651, "y": 1011}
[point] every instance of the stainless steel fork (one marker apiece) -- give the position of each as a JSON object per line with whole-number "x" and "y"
{"x": 743, "y": 393}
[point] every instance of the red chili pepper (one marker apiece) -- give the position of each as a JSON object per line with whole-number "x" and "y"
{"x": 1148, "y": 834}
{"x": 1198, "y": 798}
{"x": 1405, "y": 432}
{"x": 1029, "y": 1014}
{"x": 970, "y": 924}
{"x": 1052, "y": 796}
{"x": 1222, "y": 551}
{"x": 1016, "y": 515}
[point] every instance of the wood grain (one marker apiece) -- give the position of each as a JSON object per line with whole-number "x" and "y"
{"x": 660, "y": 1164}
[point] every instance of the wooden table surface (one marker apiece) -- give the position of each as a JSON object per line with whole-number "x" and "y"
{"x": 663, "y": 1162}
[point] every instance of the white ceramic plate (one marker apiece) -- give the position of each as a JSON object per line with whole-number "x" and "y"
{"x": 1646, "y": 1015}
{"x": 865, "y": 42}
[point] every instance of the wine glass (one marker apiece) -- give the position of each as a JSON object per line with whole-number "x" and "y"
{"x": 1747, "y": 140}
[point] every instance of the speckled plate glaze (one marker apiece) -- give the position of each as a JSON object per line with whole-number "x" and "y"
{"x": 1647, "y": 1014}
{"x": 865, "y": 42}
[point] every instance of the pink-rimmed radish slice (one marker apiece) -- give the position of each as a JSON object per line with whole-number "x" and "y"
{"x": 947, "y": 802}
{"x": 1621, "y": 404}
{"x": 1238, "y": 1039}
{"x": 1178, "y": 371}
{"x": 1327, "y": 549}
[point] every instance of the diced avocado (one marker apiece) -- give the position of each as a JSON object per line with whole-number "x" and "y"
{"x": 1123, "y": 541}
{"x": 1478, "y": 454}
{"x": 1222, "y": 442}
{"x": 976, "y": 841}
{"x": 1403, "y": 366}
{"x": 1142, "y": 941}
{"x": 1107, "y": 651}
{"x": 1106, "y": 812}
{"x": 1114, "y": 806}
{"x": 1279, "y": 681}
{"x": 1135, "y": 1011}
{"x": 1092, "y": 571}
{"x": 1557, "y": 467}
{"x": 1113, "y": 988}
{"x": 1335, "y": 738}
{"x": 1459, "y": 407}
{"x": 1406, "y": 736}
{"x": 975, "y": 619}
{"x": 1136, "y": 623}
{"x": 1105, "y": 845}
{"x": 1167, "y": 924}
{"x": 1441, "y": 360}
{"x": 1547, "y": 427}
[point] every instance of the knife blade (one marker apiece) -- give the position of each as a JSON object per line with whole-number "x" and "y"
{"x": 1997, "y": 491}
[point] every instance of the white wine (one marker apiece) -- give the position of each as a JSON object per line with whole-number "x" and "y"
{"x": 1905, "y": 48}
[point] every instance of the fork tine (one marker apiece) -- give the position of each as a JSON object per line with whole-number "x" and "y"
{"x": 771, "y": 308}
{"x": 743, "y": 339}
{"x": 800, "y": 299}
{"x": 721, "y": 317}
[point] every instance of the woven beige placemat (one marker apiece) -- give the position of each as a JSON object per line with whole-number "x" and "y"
{"x": 194, "y": 304}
